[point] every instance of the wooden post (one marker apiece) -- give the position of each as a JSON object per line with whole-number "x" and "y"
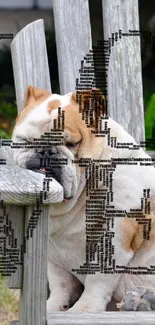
{"x": 30, "y": 67}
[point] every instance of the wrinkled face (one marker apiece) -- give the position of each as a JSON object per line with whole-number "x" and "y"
{"x": 51, "y": 138}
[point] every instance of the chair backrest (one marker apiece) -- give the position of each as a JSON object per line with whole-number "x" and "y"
{"x": 74, "y": 28}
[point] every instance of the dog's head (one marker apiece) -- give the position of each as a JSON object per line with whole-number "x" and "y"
{"x": 63, "y": 127}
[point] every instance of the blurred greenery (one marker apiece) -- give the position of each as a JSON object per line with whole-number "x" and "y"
{"x": 150, "y": 122}
{"x": 9, "y": 303}
{"x": 8, "y": 113}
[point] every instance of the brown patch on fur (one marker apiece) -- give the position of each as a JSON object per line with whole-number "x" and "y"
{"x": 90, "y": 145}
{"x": 133, "y": 232}
{"x": 53, "y": 104}
{"x": 131, "y": 238}
{"x": 34, "y": 96}
{"x": 73, "y": 122}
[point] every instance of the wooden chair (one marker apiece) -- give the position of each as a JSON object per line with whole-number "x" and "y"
{"x": 77, "y": 30}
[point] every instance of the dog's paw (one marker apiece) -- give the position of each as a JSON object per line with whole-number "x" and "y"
{"x": 88, "y": 305}
{"x": 54, "y": 305}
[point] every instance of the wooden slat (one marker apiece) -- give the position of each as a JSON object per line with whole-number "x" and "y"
{"x": 30, "y": 66}
{"x": 73, "y": 39}
{"x": 125, "y": 100}
{"x": 34, "y": 291}
{"x": 29, "y": 59}
{"x": 16, "y": 216}
{"x": 12, "y": 222}
{"x": 106, "y": 318}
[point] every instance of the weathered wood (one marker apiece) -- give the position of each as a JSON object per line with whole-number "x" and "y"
{"x": 22, "y": 186}
{"x": 125, "y": 100}
{"x": 19, "y": 186}
{"x": 73, "y": 39}
{"x": 31, "y": 67}
{"x": 34, "y": 290}
{"x": 107, "y": 318}
{"x": 29, "y": 59}
{"x": 16, "y": 216}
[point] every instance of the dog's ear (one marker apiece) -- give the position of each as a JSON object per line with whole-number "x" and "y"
{"x": 34, "y": 94}
{"x": 91, "y": 105}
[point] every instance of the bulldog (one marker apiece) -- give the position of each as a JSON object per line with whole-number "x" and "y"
{"x": 126, "y": 219}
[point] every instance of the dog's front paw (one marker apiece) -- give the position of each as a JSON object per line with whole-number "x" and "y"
{"x": 54, "y": 305}
{"x": 88, "y": 305}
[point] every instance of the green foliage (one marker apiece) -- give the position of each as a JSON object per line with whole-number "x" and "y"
{"x": 150, "y": 121}
{"x": 8, "y": 113}
{"x": 6, "y": 76}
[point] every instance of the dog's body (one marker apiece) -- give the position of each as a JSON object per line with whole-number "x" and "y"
{"x": 67, "y": 234}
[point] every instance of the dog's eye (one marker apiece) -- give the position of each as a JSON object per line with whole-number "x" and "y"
{"x": 71, "y": 144}
{"x": 22, "y": 139}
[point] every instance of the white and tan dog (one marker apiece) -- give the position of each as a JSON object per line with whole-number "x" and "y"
{"x": 67, "y": 236}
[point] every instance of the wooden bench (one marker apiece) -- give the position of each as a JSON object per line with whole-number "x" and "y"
{"x": 77, "y": 30}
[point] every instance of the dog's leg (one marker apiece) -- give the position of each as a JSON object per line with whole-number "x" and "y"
{"x": 99, "y": 287}
{"x": 65, "y": 289}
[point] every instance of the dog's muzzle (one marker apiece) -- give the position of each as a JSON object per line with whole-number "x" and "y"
{"x": 48, "y": 162}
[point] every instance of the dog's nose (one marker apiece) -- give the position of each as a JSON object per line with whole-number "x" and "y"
{"x": 41, "y": 151}
{"x": 47, "y": 152}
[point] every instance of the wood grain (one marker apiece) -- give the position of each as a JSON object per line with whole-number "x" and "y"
{"x": 107, "y": 318}
{"x": 125, "y": 96}
{"x": 22, "y": 186}
{"x": 16, "y": 216}
{"x": 73, "y": 39}
{"x": 34, "y": 289}
{"x": 19, "y": 186}
{"x": 29, "y": 59}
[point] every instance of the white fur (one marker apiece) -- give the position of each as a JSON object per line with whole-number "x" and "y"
{"x": 67, "y": 239}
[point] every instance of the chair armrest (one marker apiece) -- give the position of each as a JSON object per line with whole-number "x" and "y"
{"x": 22, "y": 186}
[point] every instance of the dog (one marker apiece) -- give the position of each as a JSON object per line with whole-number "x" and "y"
{"x": 133, "y": 192}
